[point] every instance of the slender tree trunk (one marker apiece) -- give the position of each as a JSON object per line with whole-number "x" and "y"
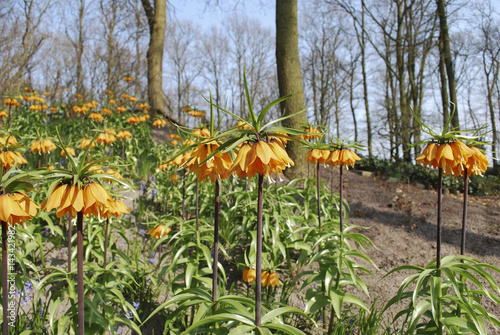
{"x": 290, "y": 78}
{"x": 365, "y": 81}
{"x": 444, "y": 85}
{"x": 448, "y": 61}
{"x": 157, "y": 19}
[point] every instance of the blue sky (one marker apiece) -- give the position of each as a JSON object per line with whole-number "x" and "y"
{"x": 206, "y": 16}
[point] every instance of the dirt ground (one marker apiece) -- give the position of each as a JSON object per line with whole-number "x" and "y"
{"x": 402, "y": 220}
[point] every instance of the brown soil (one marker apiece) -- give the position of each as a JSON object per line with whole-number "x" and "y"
{"x": 402, "y": 220}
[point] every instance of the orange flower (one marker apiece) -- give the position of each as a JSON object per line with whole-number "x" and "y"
{"x": 342, "y": 157}
{"x": 86, "y": 142}
{"x": 114, "y": 173}
{"x": 43, "y": 146}
{"x": 318, "y": 156}
{"x": 108, "y": 92}
{"x": 106, "y": 138}
{"x": 10, "y": 141}
{"x": 249, "y": 275}
{"x": 106, "y": 111}
{"x": 112, "y": 102}
{"x": 143, "y": 105}
{"x": 261, "y": 157}
{"x": 96, "y": 117}
{"x": 159, "y": 123}
{"x": 174, "y": 143}
{"x": 174, "y": 136}
{"x": 116, "y": 208}
{"x": 9, "y": 158}
{"x": 132, "y": 99}
{"x": 273, "y": 280}
{"x": 264, "y": 278}
{"x": 96, "y": 199}
{"x": 313, "y": 133}
{"x": 16, "y": 208}
{"x": 133, "y": 120}
{"x": 127, "y": 79}
{"x": 186, "y": 109}
{"x": 123, "y": 135}
{"x": 66, "y": 199}
{"x": 477, "y": 163}
{"x": 159, "y": 231}
{"x": 217, "y": 167}
{"x": 174, "y": 178}
{"x": 11, "y": 102}
{"x": 3, "y": 114}
{"x": 450, "y": 157}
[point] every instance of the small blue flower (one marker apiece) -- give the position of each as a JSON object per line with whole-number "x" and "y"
{"x": 129, "y": 315}
{"x": 143, "y": 232}
{"x": 136, "y": 305}
{"x": 152, "y": 260}
{"x": 152, "y": 178}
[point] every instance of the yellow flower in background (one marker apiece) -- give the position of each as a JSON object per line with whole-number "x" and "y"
{"x": 174, "y": 136}
{"x": 273, "y": 280}
{"x": 174, "y": 178}
{"x": 314, "y": 133}
{"x": 9, "y": 158}
{"x": 143, "y": 105}
{"x": 69, "y": 150}
{"x": 96, "y": 117}
{"x": 11, "y": 140}
{"x": 16, "y": 208}
{"x": 114, "y": 173}
{"x": 86, "y": 142}
{"x": 159, "y": 231}
{"x": 123, "y": 135}
{"x": 342, "y": 157}
{"x": 159, "y": 123}
{"x": 264, "y": 278}
{"x": 133, "y": 119}
{"x": 3, "y": 114}
{"x": 43, "y": 146}
{"x": 106, "y": 138}
{"x": 249, "y": 276}
{"x": 174, "y": 143}
{"x": 132, "y": 99}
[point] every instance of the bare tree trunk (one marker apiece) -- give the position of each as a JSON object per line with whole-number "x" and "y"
{"x": 79, "y": 48}
{"x": 157, "y": 20}
{"x": 290, "y": 78}
{"x": 446, "y": 54}
{"x": 362, "y": 45}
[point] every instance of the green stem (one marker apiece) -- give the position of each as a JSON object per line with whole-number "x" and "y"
{"x": 464, "y": 214}
{"x": 216, "y": 242}
{"x": 439, "y": 210}
{"x": 79, "y": 231}
{"x": 318, "y": 194}
{"x": 258, "y": 270}
{"x": 105, "y": 242}
{"x": 70, "y": 251}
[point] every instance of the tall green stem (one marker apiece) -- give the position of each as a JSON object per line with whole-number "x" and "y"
{"x": 258, "y": 270}
{"x": 79, "y": 232}
{"x": 106, "y": 242}
{"x": 70, "y": 236}
{"x": 216, "y": 241}
{"x": 341, "y": 189}
{"x": 464, "y": 215}
{"x": 183, "y": 194}
{"x": 197, "y": 210}
{"x": 318, "y": 194}
{"x": 439, "y": 210}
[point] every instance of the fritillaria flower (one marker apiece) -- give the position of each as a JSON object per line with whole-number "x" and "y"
{"x": 249, "y": 276}
{"x": 159, "y": 231}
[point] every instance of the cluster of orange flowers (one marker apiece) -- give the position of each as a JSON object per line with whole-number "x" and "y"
{"x": 12, "y": 102}
{"x": 9, "y": 158}
{"x": 159, "y": 123}
{"x": 92, "y": 199}
{"x": 107, "y": 137}
{"x": 123, "y": 135}
{"x": 69, "y": 150}
{"x": 454, "y": 158}
{"x": 313, "y": 133}
{"x": 43, "y": 146}
{"x": 80, "y": 110}
{"x": 261, "y": 157}
{"x": 30, "y": 98}
{"x": 16, "y": 207}
{"x": 197, "y": 113}
{"x": 138, "y": 119}
{"x": 3, "y": 114}
{"x": 217, "y": 167}
{"x": 96, "y": 117}
{"x": 38, "y": 108}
